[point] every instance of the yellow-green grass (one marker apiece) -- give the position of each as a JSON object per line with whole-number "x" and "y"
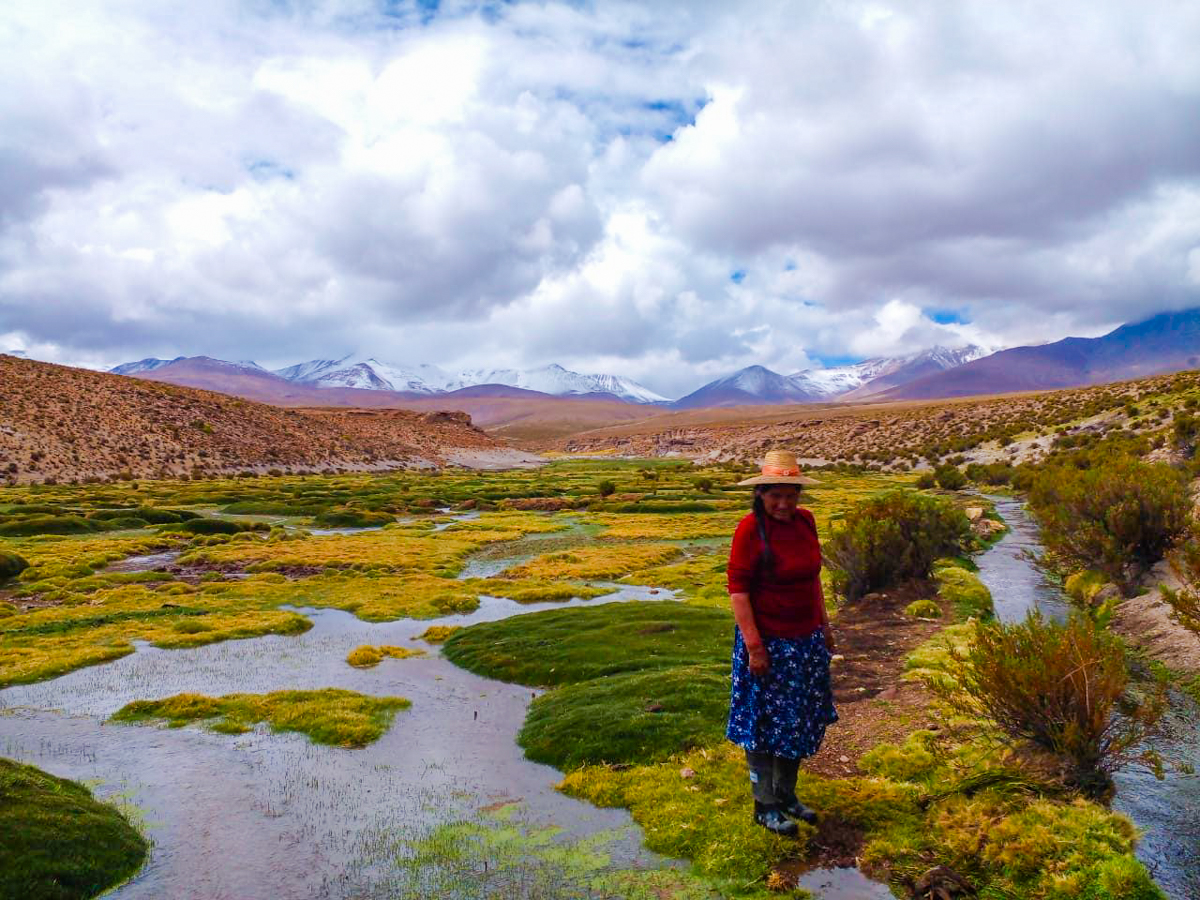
{"x": 685, "y": 526}
{"x": 367, "y": 655}
{"x": 437, "y": 634}
{"x": 997, "y": 832}
{"x": 597, "y": 562}
{"x": 329, "y": 716}
{"x": 58, "y": 842}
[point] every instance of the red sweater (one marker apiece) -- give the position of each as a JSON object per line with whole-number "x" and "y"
{"x": 787, "y": 603}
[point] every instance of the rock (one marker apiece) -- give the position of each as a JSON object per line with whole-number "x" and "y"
{"x": 653, "y": 707}
{"x": 1109, "y": 592}
{"x": 687, "y": 772}
{"x": 941, "y": 883}
{"x": 974, "y": 513}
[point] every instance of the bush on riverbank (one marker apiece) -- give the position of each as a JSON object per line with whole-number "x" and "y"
{"x": 1056, "y": 685}
{"x": 891, "y": 538}
{"x": 1120, "y": 516}
{"x": 59, "y": 843}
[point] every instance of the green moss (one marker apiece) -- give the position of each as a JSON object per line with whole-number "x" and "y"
{"x": 31, "y": 525}
{"x": 330, "y": 716}
{"x": 571, "y": 645}
{"x": 11, "y": 564}
{"x": 59, "y": 843}
{"x": 437, "y": 634}
{"x": 640, "y": 716}
{"x": 923, "y": 609}
{"x": 352, "y": 518}
{"x": 968, "y": 595}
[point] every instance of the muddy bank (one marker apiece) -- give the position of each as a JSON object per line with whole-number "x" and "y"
{"x": 1148, "y": 623}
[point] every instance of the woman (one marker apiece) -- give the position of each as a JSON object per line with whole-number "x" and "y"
{"x": 780, "y": 700}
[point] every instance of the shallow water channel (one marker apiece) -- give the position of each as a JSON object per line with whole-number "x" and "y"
{"x": 1167, "y": 812}
{"x": 273, "y": 815}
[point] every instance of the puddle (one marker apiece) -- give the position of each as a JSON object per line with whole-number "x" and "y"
{"x": 1167, "y": 812}
{"x": 287, "y": 818}
{"x": 843, "y": 884}
{"x": 145, "y": 563}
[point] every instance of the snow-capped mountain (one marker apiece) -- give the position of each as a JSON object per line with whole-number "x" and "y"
{"x": 368, "y": 374}
{"x": 150, "y": 364}
{"x": 142, "y": 365}
{"x": 758, "y": 385}
{"x": 371, "y": 374}
{"x": 883, "y": 372}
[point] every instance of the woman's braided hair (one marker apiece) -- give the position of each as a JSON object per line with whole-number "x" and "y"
{"x": 766, "y": 562}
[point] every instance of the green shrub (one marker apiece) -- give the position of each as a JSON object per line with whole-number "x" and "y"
{"x": 891, "y": 538}
{"x": 1119, "y": 517}
{"x": 926, "y": 481}
{"x": 1056, "y": 685}
{"x": 11, "y": 564}
{"x": 950, "y": 478}
{"x": 605, "y": 488}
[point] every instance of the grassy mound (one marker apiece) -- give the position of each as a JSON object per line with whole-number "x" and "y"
{"x": 572, "y": 645}
{"x": 30, "y": 525}
{"x": 330, "y": 716}
{"x": 631, "y": 717}
{"x": 368, "y": 656}
{"x": 352, "y": 518}
{"x": 59, "y": 843}
{"x": 969, "y": 595}
{"x": 11, "y": 564}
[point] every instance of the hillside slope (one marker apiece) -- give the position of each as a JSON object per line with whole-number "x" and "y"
{"x": 63, "y": 423}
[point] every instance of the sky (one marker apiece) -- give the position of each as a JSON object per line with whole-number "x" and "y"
{"x": 666, "y": 191}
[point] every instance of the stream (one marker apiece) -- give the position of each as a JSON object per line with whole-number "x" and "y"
{"x": 1167, "y": 812}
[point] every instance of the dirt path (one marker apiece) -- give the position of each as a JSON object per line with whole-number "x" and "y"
{"x": 874, "y": 637}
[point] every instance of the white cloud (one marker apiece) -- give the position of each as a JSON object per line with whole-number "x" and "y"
{"x": 494, "y": 185}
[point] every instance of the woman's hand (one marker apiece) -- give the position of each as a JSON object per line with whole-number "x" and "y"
{"x": 760, "y": 661}
{"x": 830, "y": 643}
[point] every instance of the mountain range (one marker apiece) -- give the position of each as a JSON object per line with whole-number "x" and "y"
{"x": 757, "y": 385}
{"x": 369, "y": 374}
{"x": 1164, "y": 343}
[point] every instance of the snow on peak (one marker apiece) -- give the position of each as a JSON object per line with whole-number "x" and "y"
{"x": 371, "y": 374}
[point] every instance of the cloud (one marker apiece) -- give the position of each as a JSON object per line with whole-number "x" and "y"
{"x": 479, "y": 184}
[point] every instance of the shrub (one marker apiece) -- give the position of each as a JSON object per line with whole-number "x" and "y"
{"x": 950, "y": 478}
{"x": 11, "y": 564}
{"x": 1185, "y": 602}
{"x": 1056, "y": 685}
{"x": 888, "y": 539}
{"x": 926, "y": 481}
{"x": 1120, "y": 516}
{"x": 1185, "y": 432}
{"x": 703, "y": 484}
{"x": 605, "y": 488}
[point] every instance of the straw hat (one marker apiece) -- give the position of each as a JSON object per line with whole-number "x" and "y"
{"x": 779, "y": 467}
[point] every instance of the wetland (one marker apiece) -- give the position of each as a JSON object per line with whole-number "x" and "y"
{"x": 504, "y": 685}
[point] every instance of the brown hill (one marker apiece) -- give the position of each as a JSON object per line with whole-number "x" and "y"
{"x": 883, "y": 433}
{"x": 62, "y": 423}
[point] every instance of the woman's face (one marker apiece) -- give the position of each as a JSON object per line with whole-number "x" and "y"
{"x": 780, "y": 500}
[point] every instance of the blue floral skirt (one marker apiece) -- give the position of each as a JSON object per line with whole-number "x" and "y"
{"x": 786, "y": 712}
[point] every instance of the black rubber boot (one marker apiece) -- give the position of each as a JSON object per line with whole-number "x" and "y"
{"x": 798, "y": 810}
{"x": 773, "y": 819}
